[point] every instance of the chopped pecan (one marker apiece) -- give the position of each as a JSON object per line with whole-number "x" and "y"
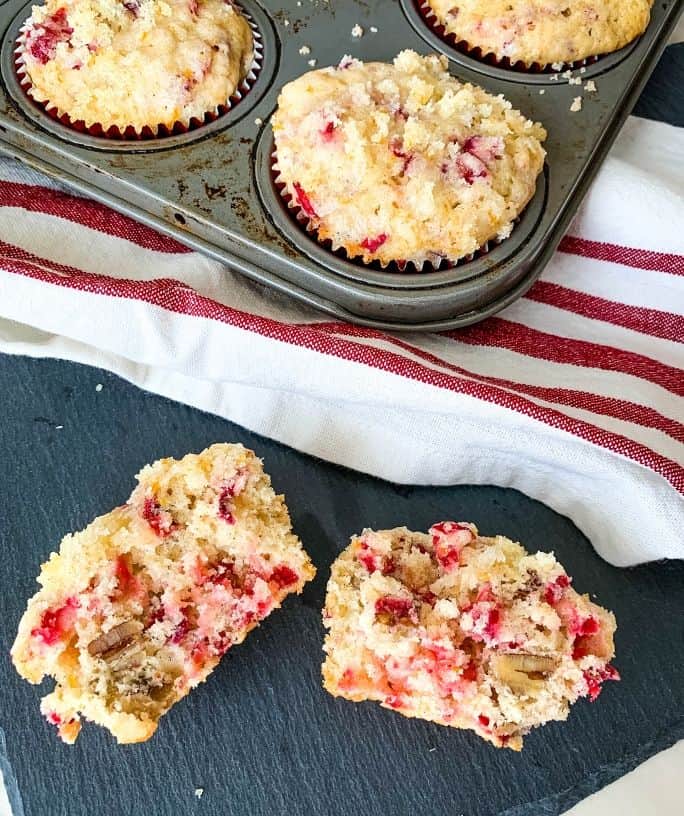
{"x": 523, "y": 673}
{"x": 112, "y": 642}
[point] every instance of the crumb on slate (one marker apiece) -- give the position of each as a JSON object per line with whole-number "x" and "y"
{"x": 98, "y": 387}
{"x": 199, "y": 792}
{"x": 304, "y": 50}
{"x": 373, "y": 29}
{"x": 311, "y": 62}
{"x": 258, "y": 121}
{"x": 542, "y": 91}
{"x": 576, "y": 104}
{"x": 357, "y": 31}
{"x": 590, "y": 86}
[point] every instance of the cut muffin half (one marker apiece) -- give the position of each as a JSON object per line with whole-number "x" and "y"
{"x": 464, "y": 630}
{"x": 138, "y": 608}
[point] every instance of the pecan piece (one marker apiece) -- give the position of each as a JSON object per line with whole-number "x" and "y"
{"x": 523, "y": 673}
{"x": 110, "y": 643}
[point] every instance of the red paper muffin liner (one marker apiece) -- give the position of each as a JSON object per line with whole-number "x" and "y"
{"x": 303, "y": 221}
{"x": 158, "y": 131}
{"x": 475, "y": 52}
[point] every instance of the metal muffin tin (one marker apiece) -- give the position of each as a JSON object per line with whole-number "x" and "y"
{"x": 212, "y": 188}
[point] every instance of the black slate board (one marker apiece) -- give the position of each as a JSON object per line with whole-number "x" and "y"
{"x": 261, "y": 736}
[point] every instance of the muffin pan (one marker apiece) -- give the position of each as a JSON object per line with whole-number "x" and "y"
{"x": 212, "y": 188}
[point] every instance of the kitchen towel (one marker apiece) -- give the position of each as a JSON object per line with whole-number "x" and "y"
{"x": 573, "y": 395}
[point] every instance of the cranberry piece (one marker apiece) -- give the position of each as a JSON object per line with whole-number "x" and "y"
{"x": 371, "y": 244}
{"x": 470, "y": 168}
{"x": 554, "y": 590}
{"x": 193, "y": 5}
{"x": 180, "y": 632}
{"x": 225, "y": 506}
{"x": 484, "y": 148}
{"x": 590, "y": 626}
{"x": 53, "y": 718}
{"x": 156, "y": 616}
{"x": 55, "y": 623}
{"x": 304, "y": 201}
{"x": 133, "y": 6}
{"x": 493, "y": 624}
{"x": 470, "y": 672}
{"x": 595, "y": 678}
{"x": 45, "y": 37}
{"x": 124, "y": 576}
{"x": 368, "y": 560}
{"x": 284, "y": 576}
{"x": 485, "y": 593}
{"x": 159, "y": 520}
{"x": 224, "y": 574}
{"x": 398, "y": 608}
{"x": 394, "y": 701}
{"x": 448, "y": 539}
{"x": 483, "y": 720}
{"x": 328, "y": 132}
{"x": 373, "y": 561}
{"x": 345, "y": 62}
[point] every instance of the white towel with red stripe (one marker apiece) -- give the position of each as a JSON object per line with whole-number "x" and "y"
{"x": 573, "y": 395}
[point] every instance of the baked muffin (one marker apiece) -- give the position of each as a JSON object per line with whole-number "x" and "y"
{"x": 463, "y": 630}
{"x": 543, "y": 31}
{"x": 137, "y": 63}
{"x": 139, "y": 607}
{"x": 402, "y": 162}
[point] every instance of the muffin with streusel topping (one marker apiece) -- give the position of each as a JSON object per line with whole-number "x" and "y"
{"x": 402, "y": 162}
{"x": 543, "y": 31}
{"x": 137, "y": 63}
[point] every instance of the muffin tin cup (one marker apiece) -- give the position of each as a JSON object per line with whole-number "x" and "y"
{"x": 431, "y": 20}
{"x": 152, "y": 133}
{"x": 214, "y": 189}
{"x": 416, "y": 266}
{"x": 422, "y": 16}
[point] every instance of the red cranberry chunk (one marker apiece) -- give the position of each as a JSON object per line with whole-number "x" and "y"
{"x": 470, "y": 672}
{"x": 56, "y": 623}
{"x": 470, "y": 168}
{"x": 397, "y": 608}
{"x": 448, "y": 539}
{"x": 304, "y": 201}
{"x": 160, "y": 520}
{"x": 45, "y": 37}
{"x": 554, "y": 590}
{"x": 328, "y": 132}
{"x": 484, "y": 148}
{"x": 372, "y": 244}
{"x": 123, "y": 574}
{"x": 284, "y": 576}
{"x": 225, "y": 505}
{"x": 596, "y": 677}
